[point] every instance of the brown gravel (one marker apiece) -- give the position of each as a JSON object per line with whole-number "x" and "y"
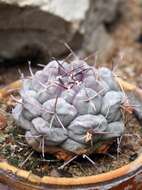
{"x": 15, "y": 150}
{"x": 127, "y": 55}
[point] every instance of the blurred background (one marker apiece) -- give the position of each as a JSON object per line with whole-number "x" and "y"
{"x": 36, "y": 30}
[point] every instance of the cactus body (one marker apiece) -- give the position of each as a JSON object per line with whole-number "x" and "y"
{"x": 63, "y": 103}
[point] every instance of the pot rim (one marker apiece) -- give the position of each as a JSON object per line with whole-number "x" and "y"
{"x": 29, "y": 177}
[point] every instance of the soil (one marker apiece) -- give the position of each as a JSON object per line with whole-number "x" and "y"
{"x": 15, "y": 150}
{"x": 126, "y": 56}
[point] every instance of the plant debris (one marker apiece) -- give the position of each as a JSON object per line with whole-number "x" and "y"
{"x": 3, "y": 122}
{"x": 16, "y": 151}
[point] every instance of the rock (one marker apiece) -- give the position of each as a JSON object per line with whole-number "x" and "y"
{"x": 99, "y": 41}
{"x": 68, "y": 10}
{"x": 136, "y": 100}
{"x": 101, "y": 12}
{"x": 106, "y": 11}
{"x": 28, "y": 33}
{"x": 35, "y": 29}
{"x": 96, "y": 37}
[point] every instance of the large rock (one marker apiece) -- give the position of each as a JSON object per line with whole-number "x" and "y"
{"x": 36, "y": 29}
{"x": 99, "y": 41}
{"x": 100, "y": 13}
{"x": 71, "y": 10}
{"x": 31, "y": 33}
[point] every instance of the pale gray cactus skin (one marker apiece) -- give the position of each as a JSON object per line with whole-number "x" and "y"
{"x": 64, "y": 102}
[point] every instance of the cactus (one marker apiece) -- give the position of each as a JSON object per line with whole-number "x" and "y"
{"x": 72, "y": 106}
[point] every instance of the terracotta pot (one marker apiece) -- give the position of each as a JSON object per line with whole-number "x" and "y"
{"x": 128, "y": 177}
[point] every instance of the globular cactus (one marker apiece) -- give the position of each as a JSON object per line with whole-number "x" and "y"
{"x": 72, "y": 106}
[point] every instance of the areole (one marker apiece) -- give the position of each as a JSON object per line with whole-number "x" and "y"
{"x": 127, "y": 177}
